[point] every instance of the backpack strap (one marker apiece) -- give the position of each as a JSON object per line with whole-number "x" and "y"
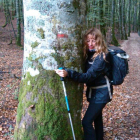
{"x": 108, "y": 85}
{"x": 97, "y": 87}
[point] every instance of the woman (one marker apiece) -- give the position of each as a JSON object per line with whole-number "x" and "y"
{"x": 96, "y": 78}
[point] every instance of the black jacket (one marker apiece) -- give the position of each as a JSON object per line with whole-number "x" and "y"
{"x": 93, "y": 77}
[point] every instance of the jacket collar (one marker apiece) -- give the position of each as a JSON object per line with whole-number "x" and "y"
{"x": 91, "y": 52}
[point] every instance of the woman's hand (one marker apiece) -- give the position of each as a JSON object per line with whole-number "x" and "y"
{"x": 61, "y": 73}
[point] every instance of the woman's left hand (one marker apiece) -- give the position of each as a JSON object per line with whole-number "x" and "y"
{"x": 61, "y": 73}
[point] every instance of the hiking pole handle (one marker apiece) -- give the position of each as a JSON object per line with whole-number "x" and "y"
{"x": 62, "y": 78}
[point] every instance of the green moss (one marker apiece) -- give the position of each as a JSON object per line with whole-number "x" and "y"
{"x": 41, "y": 32}
{"x": 35, "y": 44}
{"x": 20, "y": 112}
{"x": 48, "y": 107}
{"x": 30, "y": 57}
{"x": 35, "y": 62}
{"x": 51, "y": 118}
{"x": 49, "y": 112}
{"x": 60, "y": 59}
{"x": 114, "y": 41}
{"x": 24, "y": 135}
{"x": 22, "y": 94}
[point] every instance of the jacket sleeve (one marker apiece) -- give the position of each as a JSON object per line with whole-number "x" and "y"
{"x": 92, "y": 73}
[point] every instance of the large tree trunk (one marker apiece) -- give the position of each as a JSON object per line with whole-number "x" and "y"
{"x": 52, "y": 39}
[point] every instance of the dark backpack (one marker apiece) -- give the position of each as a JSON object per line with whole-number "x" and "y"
{"x": 119, "y": 65}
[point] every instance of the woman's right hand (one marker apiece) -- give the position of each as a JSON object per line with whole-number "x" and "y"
{"x": 61, "y": 73}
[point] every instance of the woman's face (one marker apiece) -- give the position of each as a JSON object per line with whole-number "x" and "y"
{"x": 91, "y": 42}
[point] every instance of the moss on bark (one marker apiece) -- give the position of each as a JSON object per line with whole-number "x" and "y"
{"x": 41, "y": 32}
{"x": 42, "y": 103}
{"x": 35, "y": 44}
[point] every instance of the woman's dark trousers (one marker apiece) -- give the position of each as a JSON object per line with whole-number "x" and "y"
{"x": 93, "y": 114}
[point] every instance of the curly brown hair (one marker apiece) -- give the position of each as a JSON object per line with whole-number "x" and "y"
{"x": 100, "y": 45}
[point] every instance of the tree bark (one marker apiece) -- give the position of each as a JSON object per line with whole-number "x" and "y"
{"x": 52, "y": 39}
{"x": 120, "y": 19}
{"x": 114, "y": 40}
{"x": 139, "y": 21}
{"x": 124, "y": 19}
{"x": 102, "y": 22}
{"x": 135, "y": 16}
{"x": 129, "y": 22}
{"x": 5, "y": 6}
{"x": 18, "y": 14}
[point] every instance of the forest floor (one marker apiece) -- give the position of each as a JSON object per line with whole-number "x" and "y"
{"x": 121, "y": 116}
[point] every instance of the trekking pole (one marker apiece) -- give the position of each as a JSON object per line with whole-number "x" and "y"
{"x": 64, "y": 88}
